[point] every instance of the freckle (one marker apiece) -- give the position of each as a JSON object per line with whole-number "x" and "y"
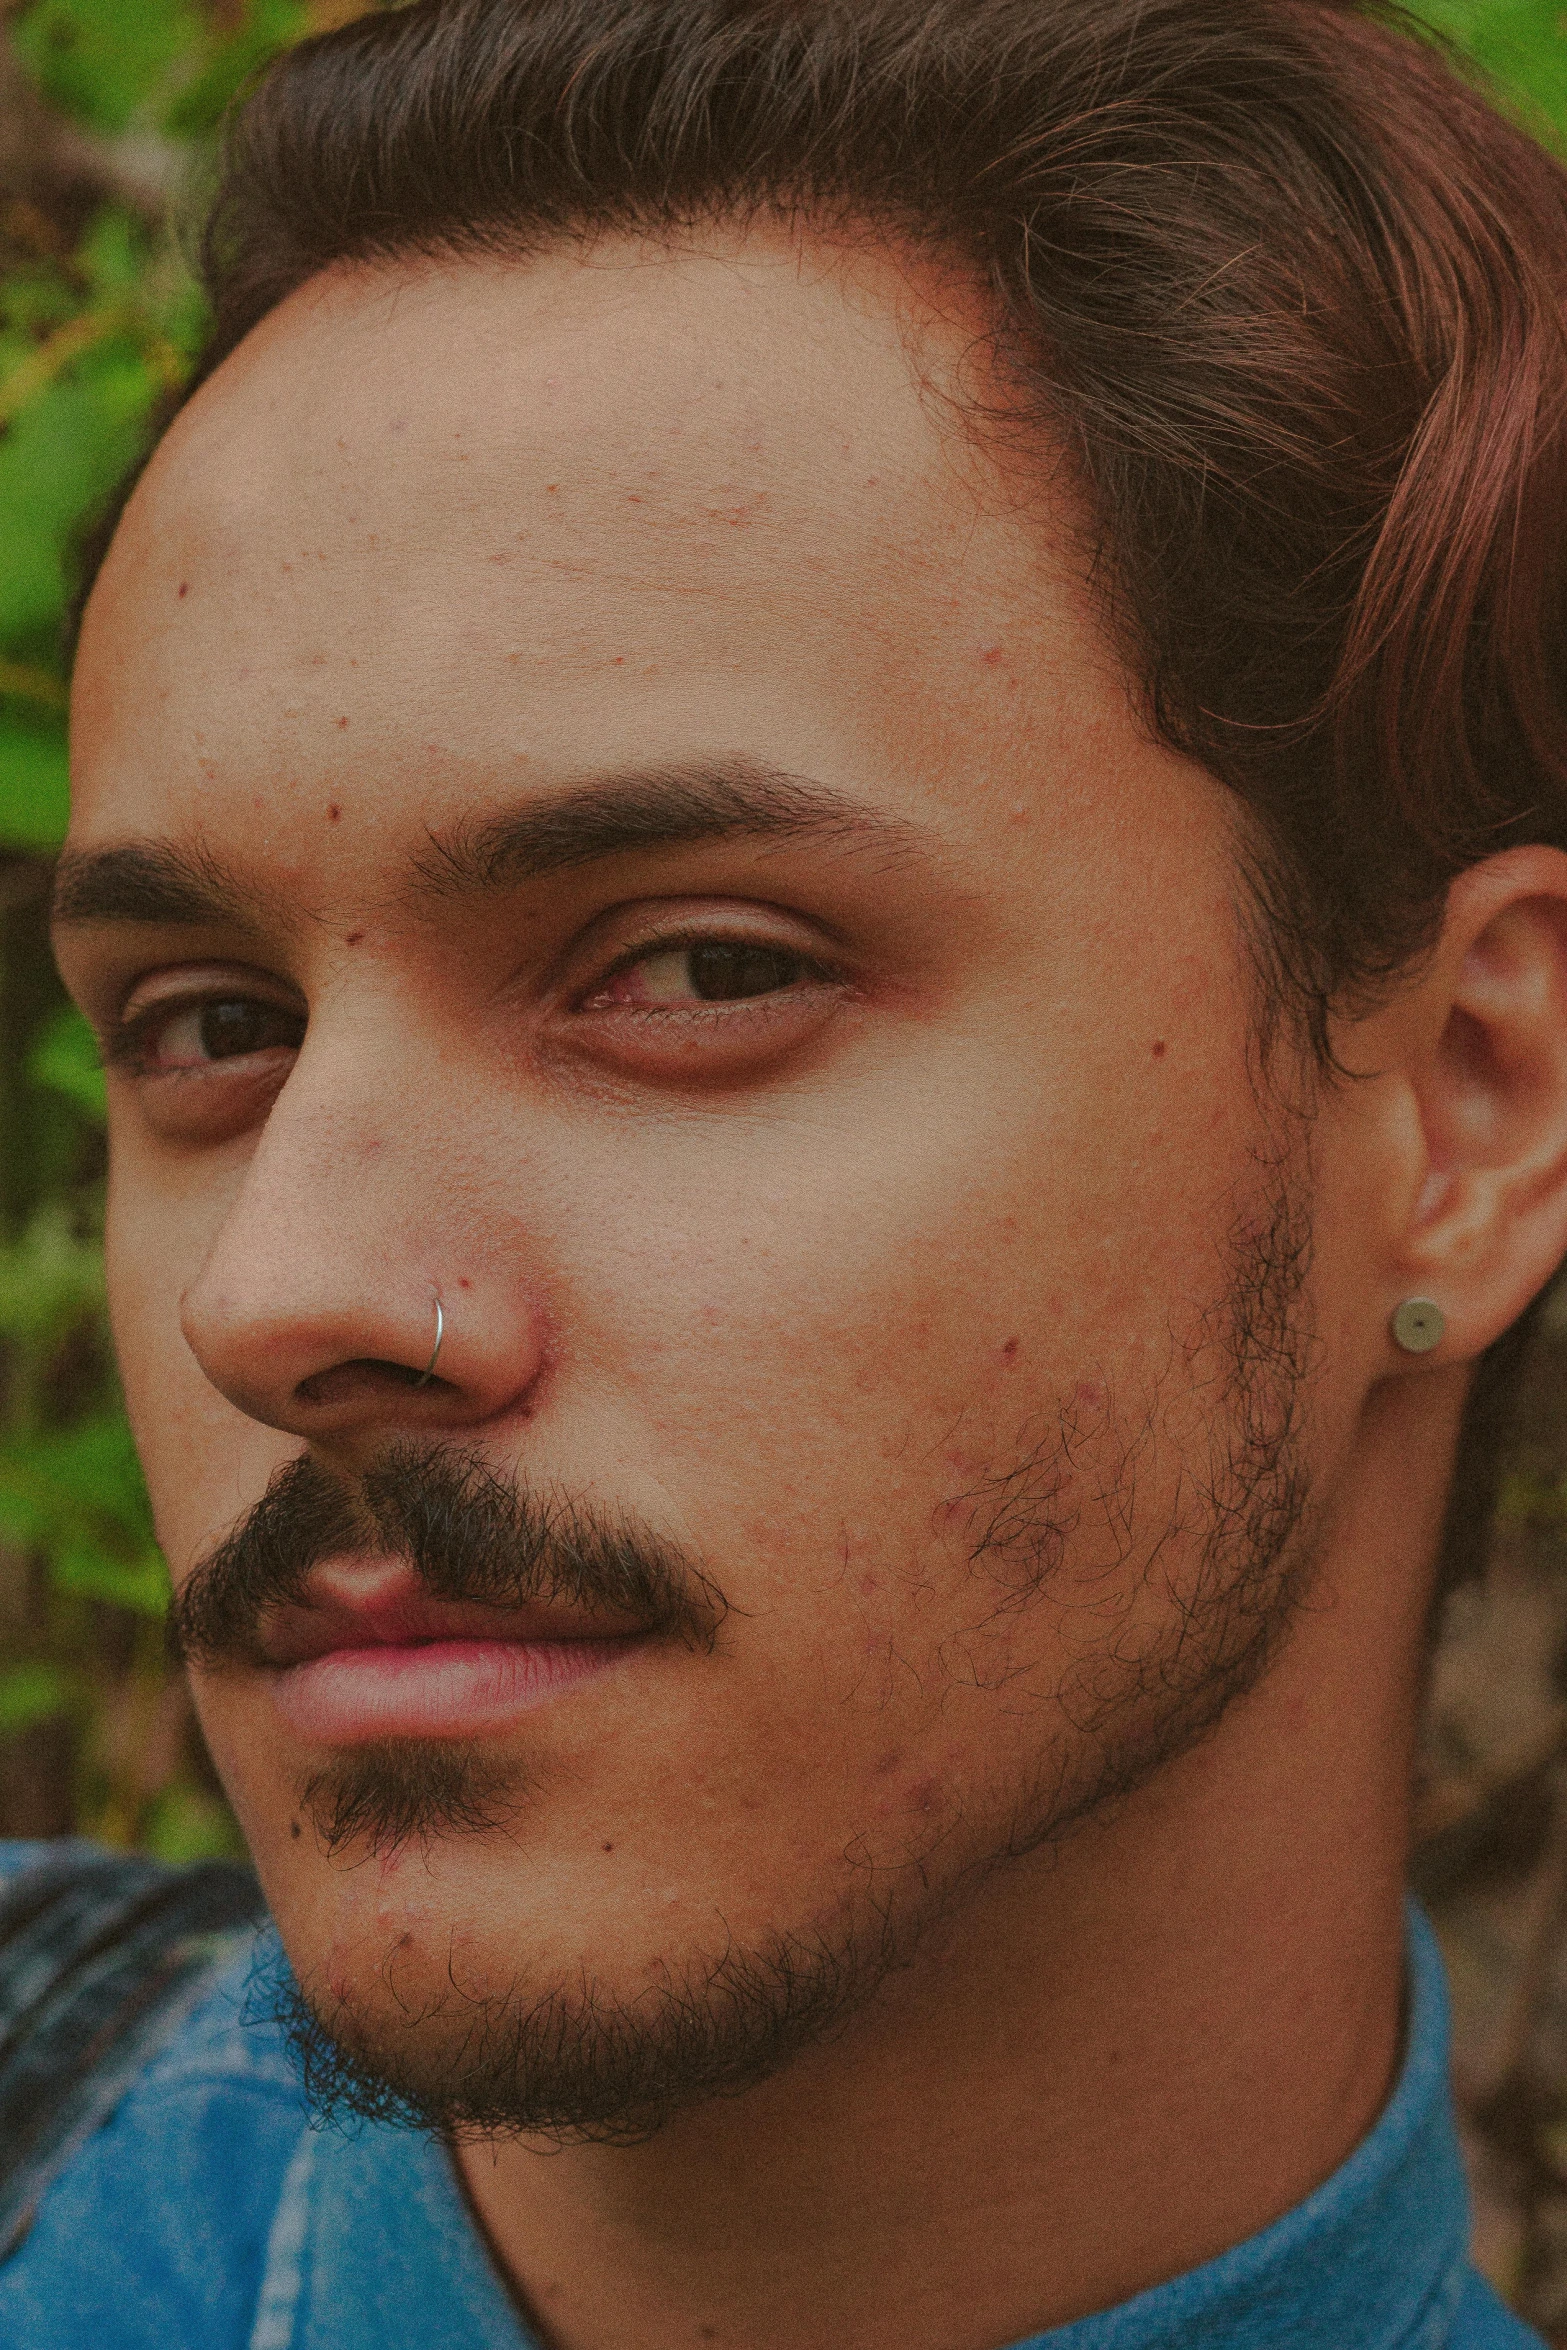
{"x": 1159, "y": 1049}
{"x": 184, "y": 587}
{"x": 353, "y": 938}
{"x": 1010, "y": 1349}
{"x": 293, "y": 1828}
{"x": 334, "y": 814}
{"x": 609, "y": 1847}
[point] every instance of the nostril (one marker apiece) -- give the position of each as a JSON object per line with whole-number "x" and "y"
{"x": 362, "y": 1380}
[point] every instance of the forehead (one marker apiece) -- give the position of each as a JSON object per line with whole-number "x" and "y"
{"x": 572, "y": 509}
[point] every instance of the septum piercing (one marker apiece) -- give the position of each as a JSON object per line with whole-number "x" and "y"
{"x": 428, "y": 1373}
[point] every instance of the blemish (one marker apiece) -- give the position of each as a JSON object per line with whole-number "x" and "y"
{"x": 354, "y": 938}
{"x": 990, "y": 655}
{"x": 463, "y": 1281}
{"x": 342, "y": 722}
{"x": 1009, "y": 1350}
{"x": 1159, "y": 1048}
{"x": 608, "y": 1848}
{"x": 334, "y": 814}
{"x": 294, "y": 1829}
{"x": 184, "y": 587}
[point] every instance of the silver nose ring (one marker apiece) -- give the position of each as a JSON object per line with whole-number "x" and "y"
{"x": 428, "y": 1373}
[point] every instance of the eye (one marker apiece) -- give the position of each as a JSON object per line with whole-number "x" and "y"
{"x": 166, "y": 1039}
{"x": 709, "y": 971}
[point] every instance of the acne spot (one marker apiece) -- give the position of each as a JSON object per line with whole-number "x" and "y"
{"x": 334, "y": 814}
{"x": 1159, "y": 1048}
{"x": 463, "y": 1281}
{"x": 354, "y": 938}
{"x": 184, "y": 587}
{"x": 551, "y": 488}
{"x": 397, "y": 424}
{"x": 924, "y": 1796}
{"x": 342, "y": 722}
{"x": 990, "y": 655}
{"x": 1009, "y": 1350}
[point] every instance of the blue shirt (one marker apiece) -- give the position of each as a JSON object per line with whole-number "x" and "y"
{"x": 207, "y": 2214}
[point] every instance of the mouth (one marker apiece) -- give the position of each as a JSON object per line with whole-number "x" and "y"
{"x": 366, "y": 1655}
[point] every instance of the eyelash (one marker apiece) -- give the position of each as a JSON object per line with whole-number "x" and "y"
{"x": 126, "y": 1045}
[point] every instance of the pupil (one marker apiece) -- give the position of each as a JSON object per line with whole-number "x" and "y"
{"x": 722, "y": 973}
{"x": 229, "y": 1029}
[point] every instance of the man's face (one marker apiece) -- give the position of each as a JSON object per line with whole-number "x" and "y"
{"x": 672, "y": 875}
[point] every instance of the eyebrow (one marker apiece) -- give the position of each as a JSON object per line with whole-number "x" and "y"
{"x": 583, "y": 824}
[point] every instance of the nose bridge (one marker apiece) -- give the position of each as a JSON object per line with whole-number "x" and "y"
{"x": 354, "y": 1218}
{"x": 328, "y": 1197}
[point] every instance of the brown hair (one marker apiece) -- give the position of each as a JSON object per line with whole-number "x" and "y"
{"x": 1290, "y": 293}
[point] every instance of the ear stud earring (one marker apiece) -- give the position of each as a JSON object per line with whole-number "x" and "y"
{"x": 1418, "y": 1326}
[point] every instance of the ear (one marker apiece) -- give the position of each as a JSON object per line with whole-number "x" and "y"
{"x": 1470, "y": 1066}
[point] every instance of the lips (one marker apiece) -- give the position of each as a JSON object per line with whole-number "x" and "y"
{"x": 367, "y": 1654}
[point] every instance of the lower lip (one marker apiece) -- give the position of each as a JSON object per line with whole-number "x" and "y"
{"x": 436, "y": 1689}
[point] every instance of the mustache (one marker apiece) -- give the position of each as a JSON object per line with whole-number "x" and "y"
{"x": 468, "y": 1531}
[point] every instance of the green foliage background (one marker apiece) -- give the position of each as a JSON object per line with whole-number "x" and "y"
{"x": 98, "y": 320}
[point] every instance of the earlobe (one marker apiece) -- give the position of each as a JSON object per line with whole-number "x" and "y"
{"x": 1484, "y": 1047}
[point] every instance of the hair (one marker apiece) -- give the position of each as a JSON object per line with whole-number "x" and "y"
{"x": 1290, "y": 296}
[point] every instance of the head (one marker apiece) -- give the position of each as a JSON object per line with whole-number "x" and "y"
{"x": 819, "y": 836}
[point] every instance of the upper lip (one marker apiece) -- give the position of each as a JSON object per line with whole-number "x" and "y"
{"x": 375, "y": 1606}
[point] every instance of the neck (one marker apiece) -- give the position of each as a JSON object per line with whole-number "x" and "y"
{"x": 1117, "y": 2058}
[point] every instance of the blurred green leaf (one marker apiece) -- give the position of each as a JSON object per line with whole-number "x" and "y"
{"x": 50, "y": 1280}
{"x": 1521, "y": 44}
{"x": 64, "y": 452}
{"x": 35, "y": 800}
{"x": 83, "y": 1568}
{"x": 65, "y": 1058}
{"x": 270, "y": 25}
{"x": 32, "y": 1692}
{"x": 105, "y": 61}
{"x": 186, "y": 1823}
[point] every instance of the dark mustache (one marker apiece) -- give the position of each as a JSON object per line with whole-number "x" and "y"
{"x": 468, "y": 1532}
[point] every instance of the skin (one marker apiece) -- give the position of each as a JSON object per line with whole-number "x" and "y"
{"x": 796, "y": 1282}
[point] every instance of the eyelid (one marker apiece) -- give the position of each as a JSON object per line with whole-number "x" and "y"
{"x": 711, "y": 930}
{"x": 123, "y": 1040}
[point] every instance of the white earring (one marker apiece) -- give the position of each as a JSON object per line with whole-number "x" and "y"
{"x": 1418, "y": 1326}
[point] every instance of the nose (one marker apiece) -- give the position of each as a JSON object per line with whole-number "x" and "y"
{"x": 352, "y": 1245}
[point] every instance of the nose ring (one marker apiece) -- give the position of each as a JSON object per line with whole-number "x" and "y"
{"x": 428, "y": 1373}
